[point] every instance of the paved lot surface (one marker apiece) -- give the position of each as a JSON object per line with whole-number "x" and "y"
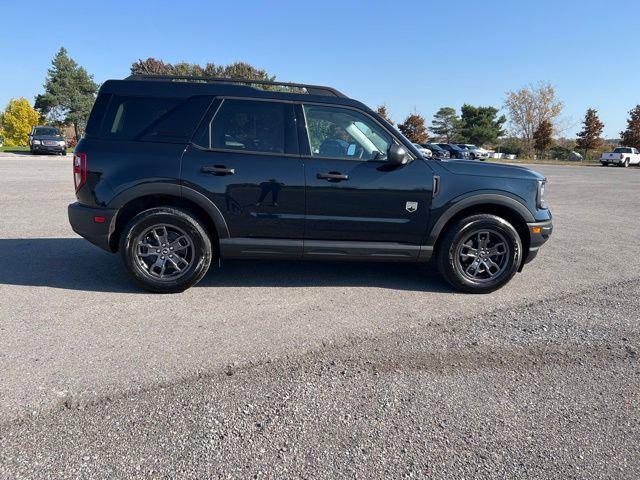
{"x": 311, "y": 369}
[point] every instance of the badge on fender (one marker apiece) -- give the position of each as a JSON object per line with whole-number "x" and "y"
{"x": 411, "y": 207}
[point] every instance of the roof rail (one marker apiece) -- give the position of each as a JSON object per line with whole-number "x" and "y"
{"x": 309, "y": 89}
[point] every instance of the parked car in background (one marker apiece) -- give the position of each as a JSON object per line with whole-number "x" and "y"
{"x": 436, "y": 150}
{"x": 621, "y": 156}
{"x": 43, "y": 139}
{"x": 476, "y": 153}
{"x": 425, "y": 152}
{"x": 455, "y": 151}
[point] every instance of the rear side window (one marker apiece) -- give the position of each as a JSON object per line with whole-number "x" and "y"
{"x": 254, "y": 126}
{"x": 153, "y": 118}
{"x": 622, "y": 150}
{"x": 96, "y": 115}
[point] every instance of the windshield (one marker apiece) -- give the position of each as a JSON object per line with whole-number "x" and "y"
{"x": 48, "y": 131}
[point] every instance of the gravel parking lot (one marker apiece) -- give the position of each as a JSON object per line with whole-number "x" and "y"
{"x": 319, "y": 370}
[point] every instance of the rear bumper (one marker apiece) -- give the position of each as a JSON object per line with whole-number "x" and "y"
{"x": 94, "y": 224}
{"x": 539, "y": 233}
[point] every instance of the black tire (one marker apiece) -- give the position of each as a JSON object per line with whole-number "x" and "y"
{"x": 626, "y": 163}
{"x": 455, "y": 265}
{"x": 137, "y": 247}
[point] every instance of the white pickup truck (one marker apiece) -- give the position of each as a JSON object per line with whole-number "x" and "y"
{"x": 621, "y": 156}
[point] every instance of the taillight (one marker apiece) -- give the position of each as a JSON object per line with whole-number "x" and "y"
{"x": 79, "y": 169}
{"x": 622, "y": 156}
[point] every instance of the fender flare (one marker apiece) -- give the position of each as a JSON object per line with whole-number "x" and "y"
{"x": 175, "y": 190}
{"x": 458, "y": 205}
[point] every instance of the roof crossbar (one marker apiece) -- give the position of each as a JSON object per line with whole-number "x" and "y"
{"x": 309, "y": 89}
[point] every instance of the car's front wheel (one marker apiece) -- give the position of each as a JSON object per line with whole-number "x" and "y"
{"x": 479, "y": 254}
{"x": 165, "y": 250}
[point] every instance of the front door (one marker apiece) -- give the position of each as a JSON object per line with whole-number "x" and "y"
{"x": 245, "y": 160}
{"x": 353, "y": 194}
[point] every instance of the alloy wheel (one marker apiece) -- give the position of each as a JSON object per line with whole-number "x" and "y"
{"x": 483, "y": 255}
{"x": 164, "y": 252}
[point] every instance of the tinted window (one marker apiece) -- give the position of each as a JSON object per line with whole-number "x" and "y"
{"x": 344, "y": 133}
{"x": 622, "y": 150}
{"x": 46, "y": 131}
{"x": 254, "y": 126}
{"x": 179, "y": 123}
{"x": 97, "y": 113}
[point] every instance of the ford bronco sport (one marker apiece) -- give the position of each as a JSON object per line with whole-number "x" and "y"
{"x": 177, "y": 172}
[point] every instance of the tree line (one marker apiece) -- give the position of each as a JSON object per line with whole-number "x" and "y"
{"x": 530, "y": 127}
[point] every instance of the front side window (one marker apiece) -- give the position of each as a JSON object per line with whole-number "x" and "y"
{"x": 336, "y": 132}
{"x": 254, "y": 126}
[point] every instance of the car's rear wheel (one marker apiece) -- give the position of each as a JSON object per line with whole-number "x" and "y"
{"x": 165, "y": 250}
{"x": 479, "y": 254}
{"x": 626, "y": 163}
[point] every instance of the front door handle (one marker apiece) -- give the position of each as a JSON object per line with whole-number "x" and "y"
{"x": 218, "y": 170}
{"x": 332, "y": 176}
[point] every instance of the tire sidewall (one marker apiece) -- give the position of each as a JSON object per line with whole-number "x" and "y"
{"x": 201, "y": 244}
{"x": 460, "y": 232}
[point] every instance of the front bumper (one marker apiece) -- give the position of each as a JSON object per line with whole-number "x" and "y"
{"x": 539, "y": 233}
{"x": 94, "y": 224}
{"x": 48, "y": 148}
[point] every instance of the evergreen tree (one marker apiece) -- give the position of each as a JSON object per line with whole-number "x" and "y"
{"x": 446, "y": 123}
{"x": 631, "y": 136}
{"x": 69, "y": 93}
{"x": 382, "y": 111}
{"x": 480, "y": 125}
{"x": 590, "y": 138}
{"x": 414, "y": 129}
{"x": 543, "y": 136}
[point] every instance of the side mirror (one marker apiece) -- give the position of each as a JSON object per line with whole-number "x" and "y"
{"x": 397, "y": 155}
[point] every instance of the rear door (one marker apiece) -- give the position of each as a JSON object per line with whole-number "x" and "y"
{"x": 245, "y": 160}
{"x": 353, "y": 195}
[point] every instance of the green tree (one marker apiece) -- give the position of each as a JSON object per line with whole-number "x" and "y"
{"x": 17, "y": 120}
{"x": 543, "y": 136}
{"x": 590, "y": 138}
{"x": 446, "y": 123}
{"x": 631, "y": 136}
{"x": 243, "y": 70}
{"x": 382, "y": 111}
{"x": 480, "y": 125}
{"x": 414, "y": 129}
{"x": 69, "y": 93}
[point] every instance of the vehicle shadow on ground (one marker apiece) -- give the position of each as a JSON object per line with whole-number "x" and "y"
{"x": 75, "y": 264}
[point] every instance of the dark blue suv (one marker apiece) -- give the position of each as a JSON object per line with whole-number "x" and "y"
{"x": 176, "y": 172}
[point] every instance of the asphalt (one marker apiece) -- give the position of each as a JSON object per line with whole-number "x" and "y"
{"x": 320, "y": 369}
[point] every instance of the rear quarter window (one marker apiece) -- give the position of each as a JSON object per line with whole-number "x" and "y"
{"x": 155, "y": 119}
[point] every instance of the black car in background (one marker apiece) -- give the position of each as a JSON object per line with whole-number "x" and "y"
{"x": 455, "y": 151}
{"x": 43, "y": 139}
{"x": 436, "y": 150}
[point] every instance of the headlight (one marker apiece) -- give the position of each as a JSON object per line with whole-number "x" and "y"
{"x": 61, "y": 143}
{"x": 542, "y": 187}
{"x": 36, "y": 142}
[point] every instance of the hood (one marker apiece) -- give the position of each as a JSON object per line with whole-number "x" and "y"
{"x": 467, "y": 167}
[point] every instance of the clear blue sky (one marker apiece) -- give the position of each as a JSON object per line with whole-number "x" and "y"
{"x": 408, "y": 54}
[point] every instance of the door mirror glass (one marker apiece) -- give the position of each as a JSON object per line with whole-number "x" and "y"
{"x": 397, "y": 155}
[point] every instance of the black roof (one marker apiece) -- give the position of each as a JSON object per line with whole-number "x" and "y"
{"x": 181, "y": 86}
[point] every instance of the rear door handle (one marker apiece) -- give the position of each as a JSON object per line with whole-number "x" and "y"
{"x": 218, "y": 170}
{"x": 332, "y": 176}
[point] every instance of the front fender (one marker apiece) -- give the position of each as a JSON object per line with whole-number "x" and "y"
{"x": 458, "y": 204}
